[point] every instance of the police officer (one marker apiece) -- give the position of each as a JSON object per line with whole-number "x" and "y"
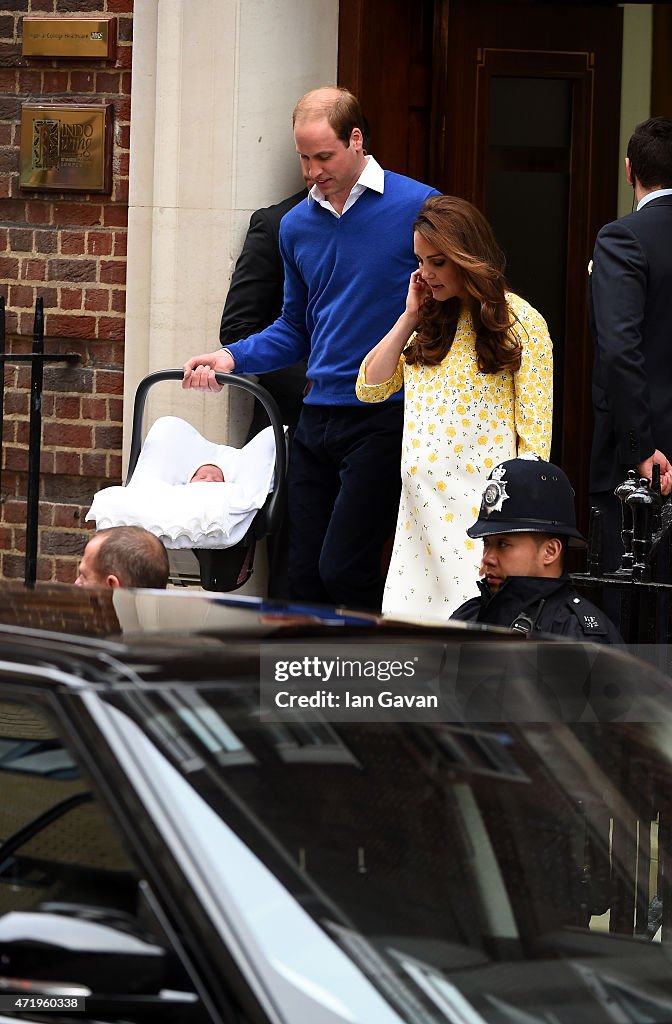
{"x": 525, "y": 521}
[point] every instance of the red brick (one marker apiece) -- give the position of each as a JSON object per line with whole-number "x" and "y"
{"x": 114, "y": 470}
{"x": 70, "y": 326}
{"x": 67, "y": 463}
{"x": 16, "y": 403}
{"x": 95, "y": 408}
{"x": 22, "y": 379}
{"x": 12, "y": 211}
{"x": 124, "y": 56}
{"x": 111, "y": 328}
{"x": 107, "y": 437}
{"x": 5, "y": 185}
{"x": 67, "y": 515}
{"x": 9, "y": 158}
{"x": 46, "y": 463}
{"x": 109, "y": 382}
{"x": 4, "y": 239}
{"x": 38, "y": 213}
{"x": 33, "y": 270}
{"x": 120, "y": 6}
{"x": 82, "y": 81}
{"x": 30, "y": 81}
{"x": 99, "y": 243}
{"x": 54, "y": 81}
{"x": 94, "y": 464}
{"x": 45, "y": 569}
{"x": 97, "y": 300}
{"x": 6, "y": 537}
{"x": 48, "y": 403}
{"x": 16, "y": 459}
{"x": 46, "y": 241}
{"x": 108, "y": 82}
{"x": 22, "y": 296}
{"x": 65, "y": 569}
{"x": 122, "y": 134}
{"x": 7, "y": 80}
{"x": 73, "y": 243}
{"x": 116, "y": 410}
{"x": 67, "y": 435}
{"x": 21, "y": 239}
{"x": 108, "y": 353}
{"x": 46, "y": 514}
{"x": 112, "y": 272}
{"x": 71, "y": 270}
{"x": 120, "y": 243}
{"x": 61, "y": 542}
{"x": 67, "y": 407}
{"x": 13, "y": 567}
{"x": 9, "y": 267}
{"x": 121, "y": 190}
{"x": 22, "y": 432}
{"x": 118, "y": 301}
{"x": 71, "y": 298}
{"x": 25, "y": 323}
{"x": 115, "y": 216}
{"x": 79, "y": 214}
{"x": 121, "y": 164}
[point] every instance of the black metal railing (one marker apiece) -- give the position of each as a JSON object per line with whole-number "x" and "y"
{"x": 37, "y": 357}
{"x": 639, "y": 593}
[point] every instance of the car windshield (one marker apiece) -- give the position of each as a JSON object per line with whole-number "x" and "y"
{"x": 511, "y": 874}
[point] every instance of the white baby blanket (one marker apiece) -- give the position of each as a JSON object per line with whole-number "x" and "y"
{"x": 199, "y": 515}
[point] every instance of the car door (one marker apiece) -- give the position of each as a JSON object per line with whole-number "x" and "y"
{"x": 79, "y": 917}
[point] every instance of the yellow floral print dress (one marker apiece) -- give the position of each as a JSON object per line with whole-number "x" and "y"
{"x": 458, "y": 424}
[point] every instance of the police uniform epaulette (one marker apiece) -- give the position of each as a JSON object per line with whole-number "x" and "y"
{"x": 590, "y": 619}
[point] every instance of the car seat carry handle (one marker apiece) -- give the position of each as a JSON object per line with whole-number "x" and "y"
{"x": 273, "y": 510}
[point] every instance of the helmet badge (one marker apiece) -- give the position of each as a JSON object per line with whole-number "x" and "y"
{"x": 495, "y": 494}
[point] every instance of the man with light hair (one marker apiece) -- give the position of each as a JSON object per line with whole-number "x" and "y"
{"x": 347, "y": 252}
{"x": 124, "y": 556}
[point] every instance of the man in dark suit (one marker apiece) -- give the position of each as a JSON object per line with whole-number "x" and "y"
{"x": 254, "y": 301}
{"x": 630, "y": 307}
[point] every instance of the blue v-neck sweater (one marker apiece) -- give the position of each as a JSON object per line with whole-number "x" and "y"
{"x": 346, "y": 280}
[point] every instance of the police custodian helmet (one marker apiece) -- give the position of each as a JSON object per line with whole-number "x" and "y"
{"x": 526, "y": 496}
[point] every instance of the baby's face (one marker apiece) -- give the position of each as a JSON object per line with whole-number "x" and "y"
{"x": 207, "y": 474}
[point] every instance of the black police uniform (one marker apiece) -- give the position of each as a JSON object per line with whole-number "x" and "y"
{"x": 532, "y": 496}
{"x": 532, "y": 605}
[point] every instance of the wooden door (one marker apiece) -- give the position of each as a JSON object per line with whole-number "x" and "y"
{"x": 516, "y": 106}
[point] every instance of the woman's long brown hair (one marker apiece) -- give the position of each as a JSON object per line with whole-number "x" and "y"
{"x": 460, "y": 232}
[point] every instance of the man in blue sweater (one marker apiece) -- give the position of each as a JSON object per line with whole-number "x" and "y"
{"x": 348, "y": 254}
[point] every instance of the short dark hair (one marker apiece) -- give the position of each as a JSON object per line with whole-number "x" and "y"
{"x": 650, "y": 152}
{"x": 564, "y": 541}
{"x": 134, "y": 555}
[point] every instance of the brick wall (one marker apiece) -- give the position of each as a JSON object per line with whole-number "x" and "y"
{"x": 70, "y": 249}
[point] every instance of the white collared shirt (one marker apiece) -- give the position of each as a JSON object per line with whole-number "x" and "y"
{"x": 373, "y": 177}
{"x": 654, "y": 195}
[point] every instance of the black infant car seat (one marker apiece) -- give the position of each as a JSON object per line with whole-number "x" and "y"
{"x": 226, "y": 569}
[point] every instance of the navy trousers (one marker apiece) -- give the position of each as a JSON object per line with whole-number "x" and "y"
{"x": 344, "y": 488}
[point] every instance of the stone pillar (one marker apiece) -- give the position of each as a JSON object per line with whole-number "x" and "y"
{"x": 214, "y": 85}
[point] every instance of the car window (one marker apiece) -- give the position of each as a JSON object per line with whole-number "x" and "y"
{"x": 73, "y": 904}
{"x": 520, "y": 870}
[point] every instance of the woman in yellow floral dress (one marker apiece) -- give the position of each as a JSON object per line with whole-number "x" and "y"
{"x": 476, "y": 364}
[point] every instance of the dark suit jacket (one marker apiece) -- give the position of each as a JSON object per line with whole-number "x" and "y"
{"x": 254, "y": 301}
{"x": 630, "y": 309}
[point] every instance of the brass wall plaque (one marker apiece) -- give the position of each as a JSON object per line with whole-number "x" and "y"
{"x": 63, "y": 36}
{"x": 67, "y": 147}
